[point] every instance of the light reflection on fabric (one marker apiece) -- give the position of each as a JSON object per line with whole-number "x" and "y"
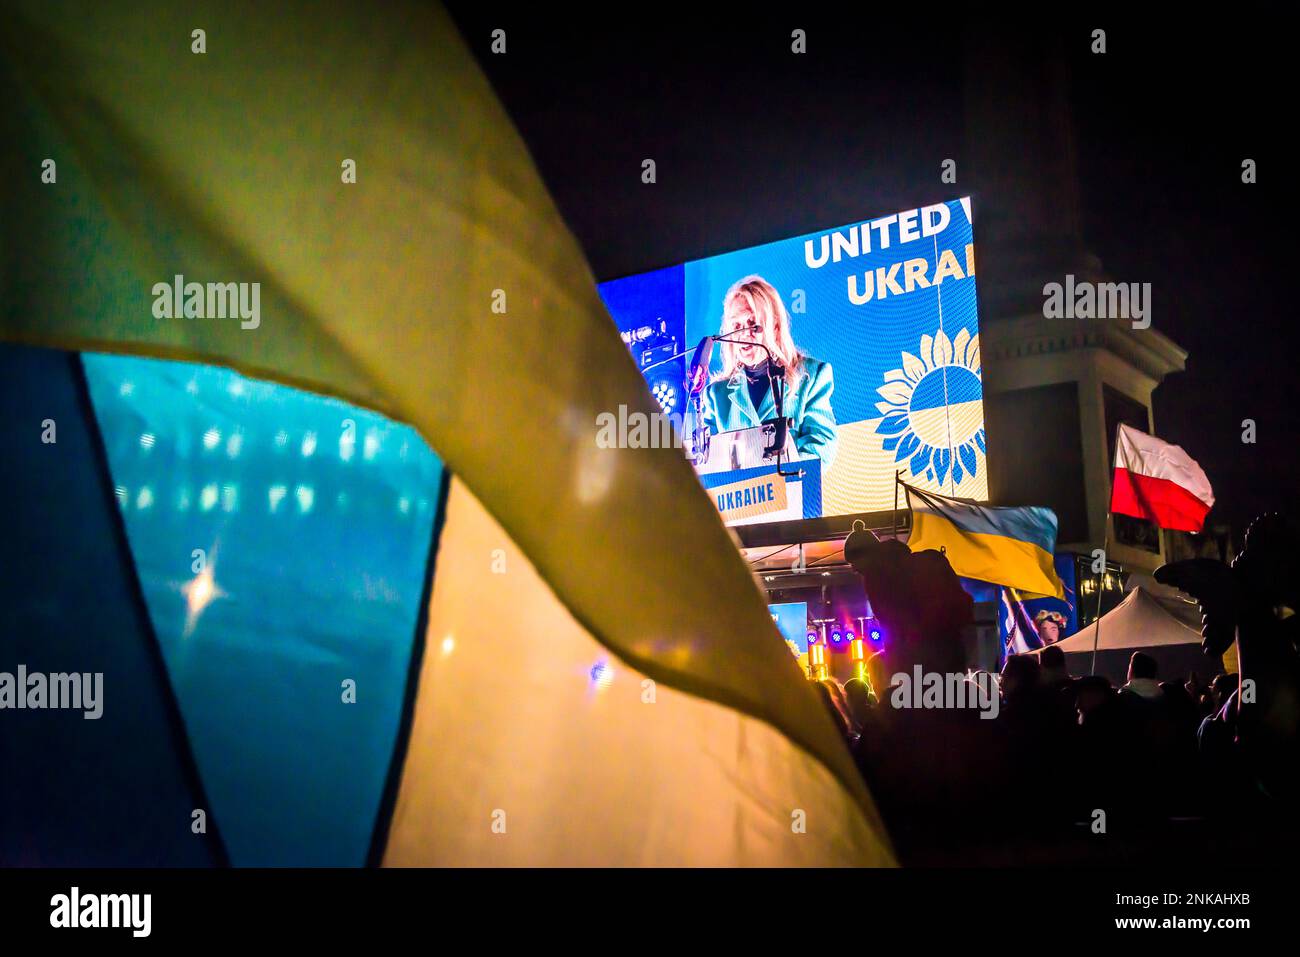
{"x": 276, "y": 565}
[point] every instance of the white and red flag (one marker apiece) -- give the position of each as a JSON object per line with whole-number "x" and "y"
{"x": 1158, "y": 482}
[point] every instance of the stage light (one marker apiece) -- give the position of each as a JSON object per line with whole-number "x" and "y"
{"x": 812, "y": 637}
{"x": 849, "y": 637}
{"x": 665, "y": 392}
{"x": 857, "y": 654}
{"x": 835, "y": 637}
{"x": 875, "y": 634}
{"x": 817, "y": 662}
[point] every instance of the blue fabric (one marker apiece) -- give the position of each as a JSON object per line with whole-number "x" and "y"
{"x": 118, "y": 790}
{"x": 317, "y": 519}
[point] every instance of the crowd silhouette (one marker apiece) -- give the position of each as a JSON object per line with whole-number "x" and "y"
{"x": 1072, "y": 764}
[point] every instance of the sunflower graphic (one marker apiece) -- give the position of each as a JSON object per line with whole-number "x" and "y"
{"x": 933, "y": 409}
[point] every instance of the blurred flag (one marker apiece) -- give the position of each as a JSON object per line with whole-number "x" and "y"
{"x": 358, "y": 167}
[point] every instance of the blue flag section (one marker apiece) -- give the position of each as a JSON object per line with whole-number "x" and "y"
{"x": 242, "y": 565}
{"x": 111, "y": 781}
{"x": 281, "y": 541}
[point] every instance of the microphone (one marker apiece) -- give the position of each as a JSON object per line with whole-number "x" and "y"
{"x": 781, "y": 427}
{"x": 698, "y": 376}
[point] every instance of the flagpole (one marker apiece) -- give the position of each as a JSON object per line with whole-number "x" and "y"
{"x": 895, "y": 518}
{"x": 1105, "y": 547}
{"x": 1096, "y": 638}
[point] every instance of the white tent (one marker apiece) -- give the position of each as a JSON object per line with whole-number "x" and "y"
{"x": 1179, "y": 604}
{"x": 1139, "y": 622}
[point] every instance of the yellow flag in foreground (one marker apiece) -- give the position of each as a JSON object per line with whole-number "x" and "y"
{"x": 232, "y": 165}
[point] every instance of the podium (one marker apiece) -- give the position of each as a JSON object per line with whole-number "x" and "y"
{"x": 743, "y": 449}
{"x": 745, "y": 486}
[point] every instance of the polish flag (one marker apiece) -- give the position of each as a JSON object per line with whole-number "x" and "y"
{"x": 1159, "y": 482}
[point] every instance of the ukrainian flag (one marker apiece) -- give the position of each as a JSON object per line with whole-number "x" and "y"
{"x": 1005, "y": 546}
{"x": 568, "y": 691}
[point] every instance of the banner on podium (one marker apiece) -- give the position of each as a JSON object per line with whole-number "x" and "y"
{"x": 759, "y": 495}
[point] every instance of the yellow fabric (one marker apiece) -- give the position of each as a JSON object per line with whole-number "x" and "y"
{"x": 518, "y": 757}
{"x": 225, "y": 166}
{"x": 990, "y": 558}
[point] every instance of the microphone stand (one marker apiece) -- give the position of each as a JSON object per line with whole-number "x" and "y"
{"x": 777, "y": 384}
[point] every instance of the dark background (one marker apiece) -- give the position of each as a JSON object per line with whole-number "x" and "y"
{"x": 753, "y": 143}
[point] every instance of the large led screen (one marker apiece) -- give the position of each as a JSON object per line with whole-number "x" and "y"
{"x": 867, "y": 333}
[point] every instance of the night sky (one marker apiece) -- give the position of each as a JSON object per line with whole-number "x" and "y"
{"x": 754, "y": 144}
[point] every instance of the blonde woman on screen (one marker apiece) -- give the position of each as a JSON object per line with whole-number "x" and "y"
{"x": 741, "y": 396}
